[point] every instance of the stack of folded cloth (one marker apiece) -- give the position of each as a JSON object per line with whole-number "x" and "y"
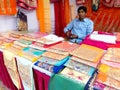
{"x": 23, "y": 42}
{"x": 33, "y": 36}
{"x": 46, "y": 41}
{"x": 83, "y": 64}
{"x": 100, "y": 39}
{"x": 31, "y": 53}
{"x": 88, "y": 55}
{"x": 63, "y": 48}
{"x": 109, "y": 69}
{"x": 52, "y": 62}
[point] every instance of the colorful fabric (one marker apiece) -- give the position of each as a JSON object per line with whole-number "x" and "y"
{"x": 105, "y": 79}
{"x": 109, "y": 63}
{"x": 43, "y": 15}
{"x": 44, "y": 65}
{"x": 31, "y": 53}
{"x": 117, "y": 3}
{"x": 22, "y": 22}
{"x": 61, "y": 82}
{"x": 92, "y": 64}
{"x": 108, "y": 3}
{"x": 54, "y": 55}
{"x": 26, "y": 74}
{"x": 10, "y": 63}
{"x": 112, "y": 55}
{"x": 8, "y": 7}
{"x": 27, "y": 4}
{"x": 87, "y": 52}
{"x": 110, "y": 71}
{"x": 83, "y": 68}
{"x": 64, "y": 46}
{"x": 100, "y": 86}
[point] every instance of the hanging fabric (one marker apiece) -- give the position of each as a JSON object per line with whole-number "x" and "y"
{"x": 22, "y": 24}
{"x": 43, "y": 15}
{"x": 8, "y": 7}
{"x": 95, "y": 5}
{"x": 108, "y": 3}
{"x": 117, "y": 3}
{"x": 27, "y": 4}
{"x": 62, "y": 16}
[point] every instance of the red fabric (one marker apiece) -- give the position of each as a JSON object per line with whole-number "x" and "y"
{"x": 41, "y": 80}
{"x": 5, "y": 77}
{"x": 59, "y": 21}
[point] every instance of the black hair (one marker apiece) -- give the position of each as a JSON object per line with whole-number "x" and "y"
{"x": 82, "y": 8}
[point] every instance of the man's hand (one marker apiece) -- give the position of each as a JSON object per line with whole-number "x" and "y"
{"x": 73, "y": 36}
{"x": 68, "y": 33}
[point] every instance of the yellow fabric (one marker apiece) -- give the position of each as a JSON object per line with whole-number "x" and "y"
{"x": 88, "y": 52}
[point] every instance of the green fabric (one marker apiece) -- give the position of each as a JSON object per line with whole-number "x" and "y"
{"x": 60, "y": 82}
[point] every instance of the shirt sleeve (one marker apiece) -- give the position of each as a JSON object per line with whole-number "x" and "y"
{"x": 69, "y": 26}
{"x": 90, "y": 27}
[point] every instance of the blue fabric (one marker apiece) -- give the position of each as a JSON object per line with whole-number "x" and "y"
{"x": 80, "y": 28}
{"x": 60, "y": 65}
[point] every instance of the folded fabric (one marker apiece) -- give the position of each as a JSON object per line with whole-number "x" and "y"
{"x": 109, "y": 63}
{"x": 112, "y": 55}
{"x": 61, "y": 82}
{"x": 54, "y": 55}
{"x": 65, "y": 46}
{"x": 92, "y": 64}
{"x": 110, "y": 71}
{"x": 104, "y": 38}
{"x": 31, "y": 53}
{"x": 25, "y": 71}
{"x": 75, "y": 75}
{"x": 105, "y": 79}
{"x": 50, "y": 39}
{"x": 88, "y": 52}
{"x": 80, "y": 67}
{"x": 100, "y": 86}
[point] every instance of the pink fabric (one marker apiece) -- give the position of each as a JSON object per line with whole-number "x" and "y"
{"x": 98, "y": 44}
{"x": 41, "y": 80}
{"x": 95, "y": 43}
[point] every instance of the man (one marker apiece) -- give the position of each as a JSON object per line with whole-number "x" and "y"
{"x": 80, "y": 27}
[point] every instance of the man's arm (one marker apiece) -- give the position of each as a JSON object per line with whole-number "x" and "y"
{"x": 90, "y": 27}
{"x": 68, "y": 28}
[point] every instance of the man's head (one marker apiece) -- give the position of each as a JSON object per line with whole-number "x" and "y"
{"x": 82, "y": 10}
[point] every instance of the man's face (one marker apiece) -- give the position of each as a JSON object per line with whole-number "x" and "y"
{"x": 81, "y": 14}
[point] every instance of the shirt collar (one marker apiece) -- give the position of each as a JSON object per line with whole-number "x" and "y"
{"x": 84, "y": 20}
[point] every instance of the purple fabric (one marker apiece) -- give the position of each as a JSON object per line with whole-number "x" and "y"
{"x": 41, "y": 80}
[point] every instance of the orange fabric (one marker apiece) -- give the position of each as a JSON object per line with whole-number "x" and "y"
{"x": 67, "y": 11}
{"x": 8, "y": 7}
{"x": 43, "y": 15}
{"x": 106, "y": 18}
